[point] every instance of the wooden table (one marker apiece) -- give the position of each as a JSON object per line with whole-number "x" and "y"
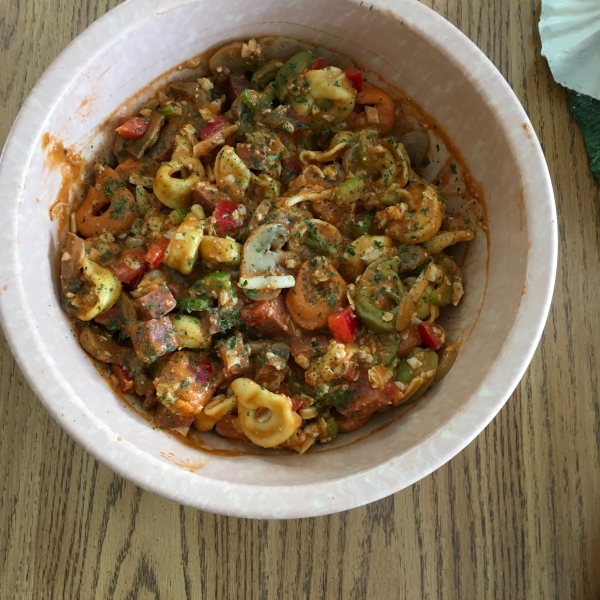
{"x": 516, "y": 515}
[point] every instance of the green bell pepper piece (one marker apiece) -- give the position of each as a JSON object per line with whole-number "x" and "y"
{"x": 332, "y": 427}
{"x": 256, "y": 100}
{"x": 167, "y": 110}
{"x": 178, "y": 215}
{"x": 350, "y": 191}
{"x": 391, "y": 197}
{"x": 292, "y": 68}
{"x": 193, "y": 304}
{"x": 379, "y": 292}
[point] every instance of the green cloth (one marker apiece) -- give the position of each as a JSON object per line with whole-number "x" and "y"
{"x": 586, "y": 111}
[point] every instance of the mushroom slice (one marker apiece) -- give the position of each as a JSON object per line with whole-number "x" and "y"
{"x": 237, "y": 57}
{"x": 261, "y": 267}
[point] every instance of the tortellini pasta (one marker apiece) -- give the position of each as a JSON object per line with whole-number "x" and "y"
{"x": 177, "y": 192}
{"x": 327, "y": 97}
{"x": 107, "y": 289}
{"x": 182, "y": 251}
{"x": 266, "y": 418}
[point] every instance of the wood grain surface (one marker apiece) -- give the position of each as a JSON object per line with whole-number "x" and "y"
{"x": 515, "y": 516}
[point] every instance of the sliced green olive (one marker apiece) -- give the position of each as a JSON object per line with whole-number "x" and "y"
{"x": 378, "y": 295}
{"x": 265, "y": 75}
{"x": 292, "y": 68}
{"x": 420, "y": 363}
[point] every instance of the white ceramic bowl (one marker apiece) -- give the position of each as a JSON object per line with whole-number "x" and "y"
{"x": 411, "y": 47}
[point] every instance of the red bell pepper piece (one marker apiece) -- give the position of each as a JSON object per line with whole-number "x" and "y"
{"x": 211, "y": 128}
{"x": 126, "y": 382}
{"x": 133, "y": 127}
{"x": 344, "y": 325}
{"x": 130, "y": 268}
{"x": 432, "y": 335}
{"x": 355, "y": 77}
{"x": 319, "y": 63}
{"x": 156, "y": 252}
{"x": 224, "y": 221}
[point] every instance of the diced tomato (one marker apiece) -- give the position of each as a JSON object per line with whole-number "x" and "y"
{"x": 133, "y": 127}
{"x": 125, "y": 380}
{"x": 355, "y": 77}
{"x": 225, "y": 222}
{"x": 130, "y": 268}
{"x": 319, "y": 63}
{"x": 297, "y": 403}
{"x": 211, "y": 128}
{"x": 156, "y": 252}
{"x": 432, "y": 335}
{"x": 203, "y": 370}
{"x": 344, "y": 325}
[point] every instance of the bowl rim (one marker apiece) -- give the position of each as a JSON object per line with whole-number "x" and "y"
{"x": 218, "y": 496}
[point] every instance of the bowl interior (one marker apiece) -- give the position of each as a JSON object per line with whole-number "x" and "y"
{"x": 146, "y": 42}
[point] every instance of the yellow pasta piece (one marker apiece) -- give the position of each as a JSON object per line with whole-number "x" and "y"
{"x": 182, "y": 250}
{"x": 266, "y": 418}
{"x": 214, "y": 411}
{"x": 174, "y": 192}
{"x": 232, "y": 176}
{"x": 214, "y": 250}
{"x": 190, "y": 331}
{"x": 107, "y": 289}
